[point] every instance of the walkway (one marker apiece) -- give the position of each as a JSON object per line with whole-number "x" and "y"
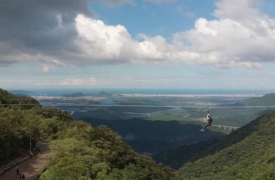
{"x": 32, "y": 167}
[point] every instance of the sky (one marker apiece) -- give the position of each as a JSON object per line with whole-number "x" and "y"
{"x": 152, "y": 44}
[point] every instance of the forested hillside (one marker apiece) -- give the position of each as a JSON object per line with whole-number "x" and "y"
{"x": 155, "y": 136}
{"x": 266, "y": 100}
{"x": 79, "y": 151}
{"x": 247, "y": 153}
{"x": 176, "y": 157}
{"x": 6, "y": 99}
{"x": 22, "y": 118}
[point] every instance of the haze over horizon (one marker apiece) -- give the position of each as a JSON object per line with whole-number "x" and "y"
{"x": 226, "y": 44}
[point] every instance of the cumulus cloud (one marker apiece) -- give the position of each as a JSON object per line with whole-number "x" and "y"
{"x": 113, "y": 44}
{"x": 79, "y": 82}
{"x": 242, "y": 35}
{"x": 113, "y": 2}
{"x": 160, "y": 1}
{"x": 100, "y": 42}
{"x": 38, "y": 28}
{"x": 143, "y": 82}
{"x": 62, "y": 33}
{"x": 91, "y": 82}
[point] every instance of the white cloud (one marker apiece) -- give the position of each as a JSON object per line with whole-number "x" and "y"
{"x": 113, "y": 2}
{"x": 172, "y": 80}
{"x": 79, "y": 82}
{"x": 113, "y": 44}
{"x": 238, "y": 10}
{"x": 160, "y": 1}
{"x": 99, "y": 41}
{"x": 149, "y": 80}
{"x": 72, "y": 82}
{"x": 241, "y": 36}
{"x": 91, "y": 82}
{"x": 51, "y": 64}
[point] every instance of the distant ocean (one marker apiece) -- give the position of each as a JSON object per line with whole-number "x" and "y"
{"x": 58, "y": 92}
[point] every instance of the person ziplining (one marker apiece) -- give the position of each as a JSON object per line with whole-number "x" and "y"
{"x": 209, "y": 121}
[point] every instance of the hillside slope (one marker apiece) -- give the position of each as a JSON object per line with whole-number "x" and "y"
{"x": 78, "y": 150}
{"x": 266, "y": 100}
{"x": 248, "y": 153}
{"x": 176, "y": 157}
{"x": 6, "y": 99}
{"x": 155, "y": 136}
{"x": 22, "y": 118}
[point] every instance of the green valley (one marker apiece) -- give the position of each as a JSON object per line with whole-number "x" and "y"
{"x": 247, "y": 153}
{"x": 78, "y": 150}
{"x": 112, "y": 148}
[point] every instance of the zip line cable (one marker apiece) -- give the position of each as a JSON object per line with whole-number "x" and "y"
{"x": 120, "y": 105}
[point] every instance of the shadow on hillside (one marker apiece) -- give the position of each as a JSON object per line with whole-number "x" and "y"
{"x": 231, "y": 139}
{"x": 155, "y": 136}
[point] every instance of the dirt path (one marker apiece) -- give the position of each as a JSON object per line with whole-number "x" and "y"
{"x": 31, "y": 167}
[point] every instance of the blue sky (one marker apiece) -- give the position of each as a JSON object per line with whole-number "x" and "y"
{"x": 187, "y": 44}
{"x": 156, "y": 19}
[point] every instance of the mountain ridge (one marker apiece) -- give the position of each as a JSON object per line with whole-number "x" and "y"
{"x": 247, "y": 153}
{"x": 265, "y": 100}
{"x": 78, "y": 150}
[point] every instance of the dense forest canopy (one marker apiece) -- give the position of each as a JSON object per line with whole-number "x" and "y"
{"x": 81, "y": 151}
{"x": 247, "y": 153}
{"x": 78, "y": 150}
